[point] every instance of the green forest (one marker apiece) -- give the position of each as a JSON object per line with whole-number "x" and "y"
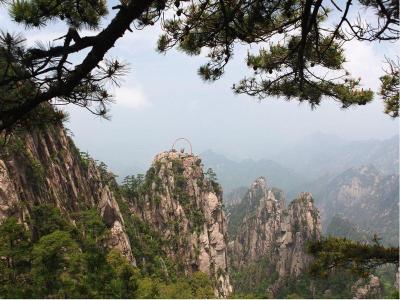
{"x": 55, "y": 259}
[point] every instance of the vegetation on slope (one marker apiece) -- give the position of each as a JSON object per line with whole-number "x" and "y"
{"x": 253, "y": 279}
{"x": 55, "y": 259}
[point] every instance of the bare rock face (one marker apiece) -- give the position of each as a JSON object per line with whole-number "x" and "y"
{"x": 45, "y": 167}
{"x": 367, "y": 288}
{"x": 186, "y": 208}
{"x": 366, "y": 197}
{"x": 274, "y": 233}
{"x": 300, "y": 223}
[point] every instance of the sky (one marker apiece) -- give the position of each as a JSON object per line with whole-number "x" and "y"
{"x": 162, "y": 98}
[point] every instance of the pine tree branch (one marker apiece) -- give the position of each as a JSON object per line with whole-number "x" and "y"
{"x": 101, "y": 44}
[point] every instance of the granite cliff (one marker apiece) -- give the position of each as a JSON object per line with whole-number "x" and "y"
{"x": 45, "y": 167}
{"x": 266, "y": 233}
{"x": 185, "y": 207}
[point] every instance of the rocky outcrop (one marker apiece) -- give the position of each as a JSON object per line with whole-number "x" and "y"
{"x": 185, "y": 207}
{"x": 300, "y": 223}
{"x": 261, "y": 223}
{"x": 367, "y": 288}
{"x": 270, "y": 231}
{"x": 44, "y": 166}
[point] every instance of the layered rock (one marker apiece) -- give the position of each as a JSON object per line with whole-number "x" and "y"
{"x": 185, "y": 207}
{"x": 44, "y": 166}
{"x": 271, "y": 232}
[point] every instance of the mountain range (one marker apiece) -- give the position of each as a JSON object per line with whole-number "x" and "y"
{"x": 354, "y": 180}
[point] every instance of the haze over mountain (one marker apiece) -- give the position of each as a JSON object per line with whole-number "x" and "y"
{"x": 318, "y": 157}
{"x": 233, "y": 174}
{"x": 354, "y": 180}
{"x": 166, "y": 233}
{"x": 321, "y": 154}
{"x": 267, "y": 249}
{"x": 365, "y": 196}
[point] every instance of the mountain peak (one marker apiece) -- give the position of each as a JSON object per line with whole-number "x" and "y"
{"x": 259, "y": 183}
{"x": 185, "y": 207}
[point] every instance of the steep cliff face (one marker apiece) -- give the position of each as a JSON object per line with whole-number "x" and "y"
{"x": 300, "y": 224}
{"x": 45, "y": 167}
{"x": 257, "y": 232}
{"x": 185, "y": 207}
{"x": 366, "y": 197}
{"x": 270, "y": 232}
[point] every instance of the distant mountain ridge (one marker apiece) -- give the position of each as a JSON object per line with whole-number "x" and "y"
{"x": 343, "y": 227}
{"x": 307, "y": 165}
{"x": 233, "y": 174}
{"x": 364, "y": 195}
{"x": 321, "y": 154}
{"x": 268, "y": 241}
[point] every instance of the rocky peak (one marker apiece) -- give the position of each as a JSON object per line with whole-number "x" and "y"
{"x": 256, "y": 193}
{"x": 258, "y": 188}
{"x": 185, "y": 206}
{"x": 300, "y": 223}
{"x": 273, "y": 233}
{"x": 253, "y": 198}
{"x": 177, "y": 199}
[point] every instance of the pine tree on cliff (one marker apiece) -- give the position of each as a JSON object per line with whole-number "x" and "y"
{"x": 290, "y": 68}
{"x": 334, "y": 253}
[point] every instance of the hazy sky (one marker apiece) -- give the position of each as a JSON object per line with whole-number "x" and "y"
{"x": 163, "y": 98}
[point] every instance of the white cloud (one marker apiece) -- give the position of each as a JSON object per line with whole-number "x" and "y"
{"x": 131, "y": 97}
{"x": 367, "y": 61}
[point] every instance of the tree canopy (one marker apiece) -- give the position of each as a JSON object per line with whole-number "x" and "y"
{"x": 301, "y": 54}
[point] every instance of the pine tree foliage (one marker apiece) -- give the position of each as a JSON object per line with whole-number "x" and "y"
{"x": 301, "y": 55}
{"x": 390, "y": 88}
{"x": 31, "y": 76}
{"x": 76, "y": 14}
{"x": 334, "y": 253}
